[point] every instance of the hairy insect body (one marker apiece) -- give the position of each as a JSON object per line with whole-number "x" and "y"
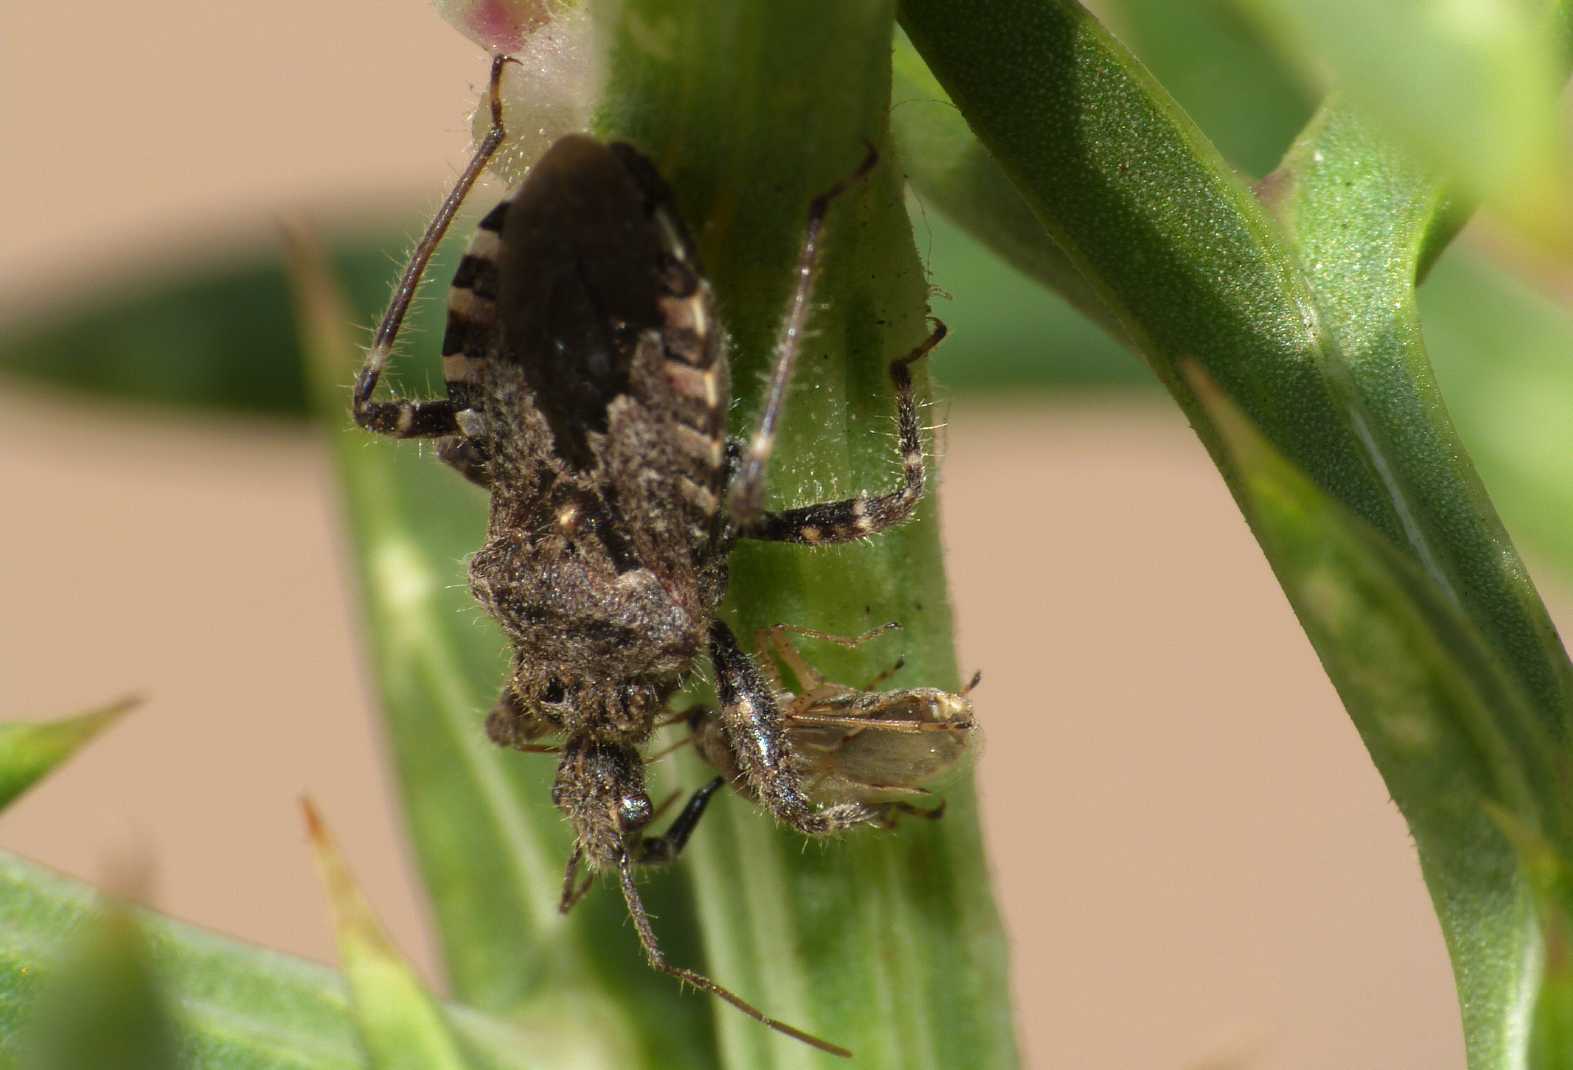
{"x": 588, "y": 393}
{"x": 601, "y": 416}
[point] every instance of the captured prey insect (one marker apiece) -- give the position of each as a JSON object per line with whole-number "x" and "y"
{"x": 853, "y": 747}
{"x": 588, "y": 390}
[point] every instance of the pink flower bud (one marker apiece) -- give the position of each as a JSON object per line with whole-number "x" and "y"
{"x": 548, "y": 92}
{"x": 498, "y": 25}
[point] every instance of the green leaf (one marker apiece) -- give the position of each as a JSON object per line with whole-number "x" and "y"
{"x": 1006, "y": 333}
{"x": 490, "y": 845}
{"x": 400, "y": 1025}
{"x": 1363, "y": 217}
{"x": 29, "y": 752}
{"x": 1471, "y": 88}
{"x": 1501, "y": 348}
{"x": 1221, "y": 70}
{"x": 1451, "y": 734}
{"x": 229, "y": 1004}
{"x": 105, "y": 1007}
{"x": 888, "y": 943}
{"x": 958, "y": 176}
{"x": 208, "y": 334}
{"x": 234, "y": 1006}
{"x": 1192, "y": 267}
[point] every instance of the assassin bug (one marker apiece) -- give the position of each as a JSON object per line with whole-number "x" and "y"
{"x": 587, "y": 391}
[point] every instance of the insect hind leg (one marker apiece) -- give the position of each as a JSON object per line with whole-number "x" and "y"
{"x": 864, "y": 515}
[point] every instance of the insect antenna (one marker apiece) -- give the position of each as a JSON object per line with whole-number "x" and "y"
{"x": 657, "y": 960}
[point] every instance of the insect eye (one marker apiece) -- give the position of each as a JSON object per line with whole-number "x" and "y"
{"x": 634, "y": 812}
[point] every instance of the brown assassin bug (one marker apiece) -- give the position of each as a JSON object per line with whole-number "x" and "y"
{"x": 588, "y": 391}
{"x": 853, "y": 745}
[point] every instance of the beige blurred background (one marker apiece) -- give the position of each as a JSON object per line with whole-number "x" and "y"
{"x": 1197, "y": 863}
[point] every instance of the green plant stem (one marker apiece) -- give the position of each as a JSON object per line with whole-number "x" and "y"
{"x": 888, "y": 943}
{"x": 1316, "y": 340}
{"x": 1194, "y": 268}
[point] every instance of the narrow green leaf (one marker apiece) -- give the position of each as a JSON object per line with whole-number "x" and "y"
{"x": 230, "y": 1005}
{"x": 1362, "y": 216}
{"x": 1501, "y": 346}
{"x": 1190, "y": 264}
{"x": 1180, "y": 252}
{"x": 1451, "y": 734}
{"x": 490, "y": 845}
{"x": 234, "y": 1006}
{"x": 28, "y": 752}
{"x": 887, "y": 942}
{"x": 1469, "y": 87}
{"x": 206, "y": 334}
{"x": 1222, "y": 71}
{"x": 105, "y": 1007}
{"x": 956, "y": 174}
{"x": 400, "y": 1025}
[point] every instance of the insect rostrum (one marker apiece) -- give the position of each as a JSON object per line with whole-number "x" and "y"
{"x": 588, "y": 391}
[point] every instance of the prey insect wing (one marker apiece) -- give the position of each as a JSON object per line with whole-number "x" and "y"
{"x": 859, "y": 752}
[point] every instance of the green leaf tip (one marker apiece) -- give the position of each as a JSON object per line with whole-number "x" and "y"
{"x": 30, "y": 751}
{"x": 400, "y": 1025}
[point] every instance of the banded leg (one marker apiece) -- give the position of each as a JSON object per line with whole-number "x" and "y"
{"x": 864, "y": 515}
{"x": 748, "y": 488}
{"x": 755, "y": 731}
{"x": 430, "y": 418}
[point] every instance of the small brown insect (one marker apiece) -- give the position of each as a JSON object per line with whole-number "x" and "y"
{"x": 854, "y": 748}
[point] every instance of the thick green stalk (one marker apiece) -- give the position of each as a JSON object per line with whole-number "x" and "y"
{"x": 887, "y": 942}
{"x": 1363, "y": 216}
